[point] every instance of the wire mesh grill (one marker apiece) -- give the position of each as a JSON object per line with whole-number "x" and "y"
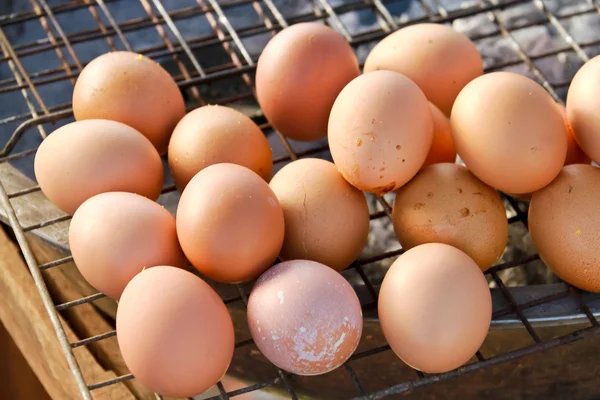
{"x": 212, "y": 52}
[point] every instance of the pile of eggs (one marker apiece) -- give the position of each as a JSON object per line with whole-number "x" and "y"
{"x": 398, "y": 127}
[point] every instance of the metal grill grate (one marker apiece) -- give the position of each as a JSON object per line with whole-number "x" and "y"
{"x": 37, "y": 74}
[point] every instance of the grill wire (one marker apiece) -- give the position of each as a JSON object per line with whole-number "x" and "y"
{"x": 192, "y": 76}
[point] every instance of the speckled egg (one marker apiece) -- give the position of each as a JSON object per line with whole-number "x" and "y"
{"x": 304, "y": 317}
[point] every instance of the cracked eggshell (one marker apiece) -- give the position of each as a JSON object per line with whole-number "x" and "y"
{"x": 229, "y": 223}
{"x": 445, "y": 203}
{"x": 380, "y": 131}
{"x": 326, "y": 218}
{"x": 304, "y": 317}
{"x": 509, "y": 132}
{"x": 563, "y": 222}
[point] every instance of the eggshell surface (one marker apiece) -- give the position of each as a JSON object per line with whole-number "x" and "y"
{"x": 436, "y": 57}
{"x": 445, "y": 203}
{"x": 86, "y": 158}
{"x": 442, "y": 148}
{"x": 298, "y": 76}
{"x": 174, "y": 332}
{"x": 574, "y": 153}
{"x": 215, "y": 134}
{"x": 563, "y": 221}
{"x": 380, "y": 131}
{"x": 326, "y": 218}
{"x": 435, "y": 307}
{"x": 582, "y": 108}
{"x": 113, "y": 236}
{"x": 229, "y": 223}
{"x": 509, "y": 132}
{"x": 133, "y": 89}
{"x": 304, "y": 317}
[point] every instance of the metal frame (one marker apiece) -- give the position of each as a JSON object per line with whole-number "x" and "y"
{"x": 193, "y": 76}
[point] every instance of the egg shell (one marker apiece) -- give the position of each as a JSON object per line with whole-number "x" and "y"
{"x": 133, "y": 89}
{"x": 380, "y": 131}
{"x": 582, "y": 108}
{"x": 509, "y": 132}
{"x": 174, "y": 332}
{"x": 229, "y": 223}
{"x": 304, "y": 317}
{"x": 445, "y": 203}
{"x": 298, "y": 76}
{"x": 435, "y": 307}
{"x": 574, "y": 153}
{"x": 215, "y": 134}
{"x": 326, "y": 218}
{"x": 436, "y": 57}
{"x": 442, "y": 148}
{"x": 86, "y": 158}
{"x": 113, "y": 236}
{"x": 563, "y": 221}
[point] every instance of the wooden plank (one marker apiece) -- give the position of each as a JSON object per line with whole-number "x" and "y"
{"x": 85, "y": 319}
{"x": 27, "y": 322}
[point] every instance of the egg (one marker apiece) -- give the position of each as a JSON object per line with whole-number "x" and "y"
{"x": 380, "y": 131}
{"x": 174, "y": 332}
{"x": 582, "y": 108}
{"x": 130, "y": 88}
{"x": 229, "y": 223}
{"x": 442, "y": 148}
{"x": 298, "y": 76}
{"x": 113, "y": 236}
{"x": 85, "y": 158}
{"x": 304, "y": 317}
{"x": 445, "y": 203}
{"x": 509, "y": 132}
{"x": 215, "y": 134}
{"x": 326, "y": 218}
{"x": 574, "y": 153}
{"x": 563, "y": 221}
{"x": 434, "y": 307}
{"x": 436, "y": 57}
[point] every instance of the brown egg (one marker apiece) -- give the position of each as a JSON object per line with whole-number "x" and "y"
{"x": 582, "y": 108}
{"x": 574, "y": 153}
{"x": 113, "y": 236}
{"x": 509, "y": 132}
{"x": 215, "y": 134}
{"x": 435, "y": 307}
{"x": 380, "y": 131}
{"x": 304, "y": 317}
{"x": 326, "y": 218}
{"x": 445, "y": 203}
{"x": 132, "y": 89}
{"x": 563, "y": 221}
{"x": 85, "y": 158}
{"x": 442, "y": 146}
{"x": 298, "y": 76}
{"x": 230, "y": 224}
{"x": 436, "y": 57}
{"x": 174, "y": 332}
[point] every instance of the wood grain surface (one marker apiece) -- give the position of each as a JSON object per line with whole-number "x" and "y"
{"x": 27, "y": 322}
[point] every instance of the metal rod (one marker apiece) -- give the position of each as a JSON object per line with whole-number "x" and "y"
{"x": 44, "y": 294}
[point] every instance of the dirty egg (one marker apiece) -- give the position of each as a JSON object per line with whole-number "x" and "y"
{"x": 304, "y": 317}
